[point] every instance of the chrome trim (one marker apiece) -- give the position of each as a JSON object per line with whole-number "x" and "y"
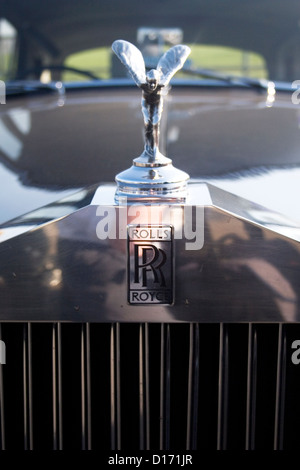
{"x": 27, "y": 387}
{"x": 280, "y": 388}
{"x": 165, "y": 377}
{"x": 178, "y": 374}
{"x": 144, "y": 390}
{"x": 86, "y": 428}
{"x": 251, "y": 387}
{"x": 152, "y": 174}
{"x": 245, "y": 247}
{"x": 193, "y": 388}
{"x": 223, "y": 388}
{"x": 115, "y": 387}
{"x": 57, "y": 387}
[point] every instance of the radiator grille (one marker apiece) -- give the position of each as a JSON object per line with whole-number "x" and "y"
{"x": 149, "y": 386}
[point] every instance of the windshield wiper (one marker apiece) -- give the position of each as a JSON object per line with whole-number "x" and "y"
{"x": 261, "y": 84}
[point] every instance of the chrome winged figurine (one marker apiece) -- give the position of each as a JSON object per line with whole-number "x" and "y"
{"x": 153, "y": 83}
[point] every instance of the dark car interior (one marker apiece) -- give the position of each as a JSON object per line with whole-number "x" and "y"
{"x": 47, "y": 35}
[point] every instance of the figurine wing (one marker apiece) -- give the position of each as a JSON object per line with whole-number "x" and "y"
{"x": 172, "y": 61}
{"x": 132, "y": 58}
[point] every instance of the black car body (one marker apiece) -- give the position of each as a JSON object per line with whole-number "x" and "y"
{"x": 85, "y": 368}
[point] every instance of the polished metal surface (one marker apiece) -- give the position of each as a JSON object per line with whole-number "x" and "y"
{"x": 57, "y": 407}
{"x": 115, "y": 387}
{"x": 152, "y": 174}
{"x": 251, "y": 387}
{"x": 226, "y": 249}
{"x": 165, "y": 387}
{"x": 144, "y": 387}
{"x": 252, "y": 168}
{"x": 223, "y": 388}
{"x": 86, "y": 429}
{"x": 280, "y": 388}
{"x": 193, "y": 387}
{"x": 27, "y": 387}
{"x": 139, "y": 375}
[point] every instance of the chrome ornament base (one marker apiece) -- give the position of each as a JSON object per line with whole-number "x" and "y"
{"x": 159, "y": 179}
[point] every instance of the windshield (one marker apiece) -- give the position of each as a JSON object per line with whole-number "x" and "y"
{"x": 71, "y": 40}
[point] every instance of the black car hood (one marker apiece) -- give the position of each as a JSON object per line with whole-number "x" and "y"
{"x": 53, "y": 146}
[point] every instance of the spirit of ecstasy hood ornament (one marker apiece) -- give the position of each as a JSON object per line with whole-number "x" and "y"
{"x": 152, "y": 174}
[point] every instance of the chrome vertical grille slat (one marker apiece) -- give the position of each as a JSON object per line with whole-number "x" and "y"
{"x": 161, "y": 409}
{"x": 86, "y": 431}
{"x": 141, "y": 388}
{"x": 115, "y": 387}
{"x": 280, "y": 389}
{"x": 147, "y": 391}
{"x": 193, "y": 388}
{"x": 57, "y": 387}
{"x": 165, "y": 376}
{"x": 223, "y": 388}
{"x": 27, "y": 387}
{"x": 251, "y": 387}
{"x": 2, "y": 419}
{"x": 144, "y": 405}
